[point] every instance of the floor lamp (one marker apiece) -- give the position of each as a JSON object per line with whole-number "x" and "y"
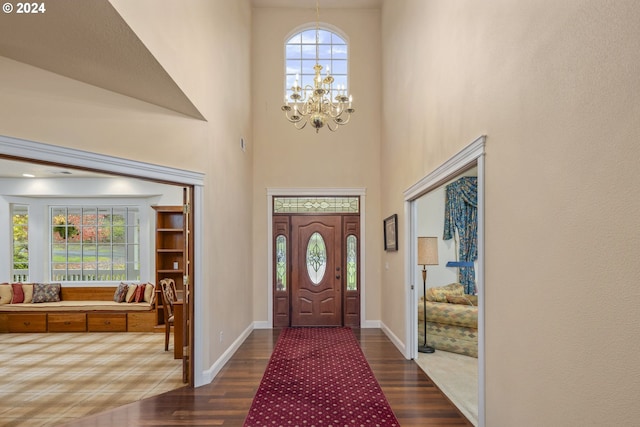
{"x": 427, "y": 255}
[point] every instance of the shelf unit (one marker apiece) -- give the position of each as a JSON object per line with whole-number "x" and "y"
{"x": 170, "y": 255}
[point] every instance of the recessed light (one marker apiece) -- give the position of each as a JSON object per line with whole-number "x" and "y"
{"x": 28, "y": 175}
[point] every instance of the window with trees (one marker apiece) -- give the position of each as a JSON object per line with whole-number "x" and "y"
{"x": 94, "y": 243}
{"x": 20, "y": 244}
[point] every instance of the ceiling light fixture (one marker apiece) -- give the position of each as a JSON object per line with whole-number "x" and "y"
{"x": 313, "y": 104}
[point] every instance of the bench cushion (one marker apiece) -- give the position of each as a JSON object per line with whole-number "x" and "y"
{"x": 76, "y": 306}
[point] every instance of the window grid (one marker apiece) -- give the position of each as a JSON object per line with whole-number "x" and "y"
{"x": 300, "y": 58}
{"x": 94, "y": 243}
{"x": 20, "y": 243}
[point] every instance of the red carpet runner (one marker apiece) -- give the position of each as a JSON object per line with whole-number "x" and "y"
{"x": 319, "y": 377}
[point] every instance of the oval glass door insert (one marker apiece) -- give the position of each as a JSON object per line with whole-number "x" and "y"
{"x": 316, "y": 258}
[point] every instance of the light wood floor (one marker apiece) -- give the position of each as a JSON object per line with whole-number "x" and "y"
{"x": 415, "y": 400}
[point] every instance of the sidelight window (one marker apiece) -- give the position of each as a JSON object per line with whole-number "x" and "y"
{"x": 352, "y": 263}
{"x": 281, "y": 263}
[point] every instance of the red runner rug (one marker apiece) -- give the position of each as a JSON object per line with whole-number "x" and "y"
{"x": 319, "y": 377}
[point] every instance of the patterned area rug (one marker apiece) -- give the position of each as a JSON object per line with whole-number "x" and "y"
{"x": 319, "y": 377}
{"x": 50, "y": 379}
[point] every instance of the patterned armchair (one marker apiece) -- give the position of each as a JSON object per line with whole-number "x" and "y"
{"x": 452, "y": 320}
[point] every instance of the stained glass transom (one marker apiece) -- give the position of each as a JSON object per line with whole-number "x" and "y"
{"x": 316, "y": 258}
{"x": 281, "y": 263}
{"x": 352, "y": 263}
{"x": 316, "y": 204}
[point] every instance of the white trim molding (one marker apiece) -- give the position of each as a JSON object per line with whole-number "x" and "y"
{"x": 472, "y": 155}
{"x": 94, "y": 161}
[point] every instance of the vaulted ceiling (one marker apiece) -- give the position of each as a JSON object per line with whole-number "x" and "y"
{"x": 90, "y": 42}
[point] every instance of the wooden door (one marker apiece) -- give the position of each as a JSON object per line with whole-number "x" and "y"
{"x": 187, "y": 323}
{"x": 316, "y": 285}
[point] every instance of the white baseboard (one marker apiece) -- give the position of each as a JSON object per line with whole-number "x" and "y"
{"x": 263, "y": 324}
{"x": 209, "y": 374}
{"x": 371, "y": 324}
{"x": 394, "y": 339}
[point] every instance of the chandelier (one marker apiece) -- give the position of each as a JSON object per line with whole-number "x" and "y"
{"x": 313, "y": 104}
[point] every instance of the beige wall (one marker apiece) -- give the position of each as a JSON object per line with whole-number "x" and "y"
{"x": 210, "y": 60}
{"x": 285, "y": 157}
{"x": 554, "y": 86}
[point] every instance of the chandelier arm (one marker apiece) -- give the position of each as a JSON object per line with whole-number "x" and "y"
{"x": 345, "y": 121}
{"x": 313, "y": 103}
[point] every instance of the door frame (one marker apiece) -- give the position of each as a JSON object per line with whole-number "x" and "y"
{"x": 472, "y": 155}
{"x": 26, "y": 150}
{"x": 275, "y": 192}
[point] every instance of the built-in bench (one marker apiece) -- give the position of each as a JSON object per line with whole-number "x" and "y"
{"x": 79, "y": 309}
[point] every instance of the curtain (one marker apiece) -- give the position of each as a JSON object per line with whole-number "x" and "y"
{"x": 461, "y": 214}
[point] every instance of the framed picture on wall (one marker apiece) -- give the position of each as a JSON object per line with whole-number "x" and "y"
{"x": 391, "y": 233}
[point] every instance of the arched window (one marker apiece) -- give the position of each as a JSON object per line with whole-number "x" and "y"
{"x": 331, "y": 52}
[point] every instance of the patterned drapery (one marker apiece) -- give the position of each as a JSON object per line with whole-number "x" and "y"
{"x": 461, "y": 214}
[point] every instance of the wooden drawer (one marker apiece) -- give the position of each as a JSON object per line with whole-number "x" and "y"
{"x": 109, "y": 322}
{"x": 141, "y": 322}
{"x": 4, "y": 322}
{"x": 36, "y": 322}
{"x": 67, "y": 322}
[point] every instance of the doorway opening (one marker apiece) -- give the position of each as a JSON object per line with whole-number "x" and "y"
{"x": 29, "y": 151}
{"x": 316, "y": 261}
{"x": 469, "y": 158}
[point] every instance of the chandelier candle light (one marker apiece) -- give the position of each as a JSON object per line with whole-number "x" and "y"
{"x": 313, "y": 104}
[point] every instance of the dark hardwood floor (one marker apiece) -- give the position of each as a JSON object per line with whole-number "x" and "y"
{"x": 415, "y": 400}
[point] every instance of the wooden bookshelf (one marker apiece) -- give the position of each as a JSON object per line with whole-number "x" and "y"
{"x": 170, "y": 255}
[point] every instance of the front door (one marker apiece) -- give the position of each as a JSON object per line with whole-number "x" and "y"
{"x": 316, "y": 284}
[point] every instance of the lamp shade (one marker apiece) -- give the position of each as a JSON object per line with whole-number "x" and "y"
{"x": 428, "y": 251}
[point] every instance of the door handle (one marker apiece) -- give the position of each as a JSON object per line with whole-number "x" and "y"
{"x": 337, "y": 276}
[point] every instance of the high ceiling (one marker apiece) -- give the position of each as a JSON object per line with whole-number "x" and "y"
{"x": 340, "y": 4}
{"x": 89, "y": 41}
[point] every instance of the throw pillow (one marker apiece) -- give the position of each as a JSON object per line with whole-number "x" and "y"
{"x": 27, "y": 288}
{"x": 456, "y": 299}
{"x": 121, "y": 292}
{"x": 18, "y": 294}
{"x": 46, "y": 292}
{"x": 149, "y": 293}
{"x": 6, "y": 293}
{"x": 131, "y": 292}
{"x": 439, "y": 294}
{"x": 139, "y": 294}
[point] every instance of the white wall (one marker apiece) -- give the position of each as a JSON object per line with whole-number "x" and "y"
{"x": 554, "y": 87}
